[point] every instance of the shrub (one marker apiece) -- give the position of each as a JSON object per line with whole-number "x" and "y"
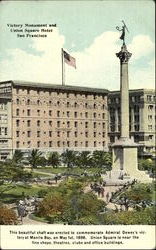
{"x": 7, "y": 216}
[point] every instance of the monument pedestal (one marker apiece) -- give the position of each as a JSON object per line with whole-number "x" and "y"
{"x": 125, "y": 161}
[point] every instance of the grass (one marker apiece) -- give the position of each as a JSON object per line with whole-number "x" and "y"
{"x": 16, "y": 193}
{"x": 75, "y": 170}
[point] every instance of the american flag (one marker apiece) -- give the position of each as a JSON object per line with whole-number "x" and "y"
{"x": 69, "y": 59}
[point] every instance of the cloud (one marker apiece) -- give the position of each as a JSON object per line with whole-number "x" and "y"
{"x": 97, "y": 65}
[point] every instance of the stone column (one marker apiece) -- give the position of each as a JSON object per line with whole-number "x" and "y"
{"x": 132, "y": 119}
{"x": 124, "y": 56}
{"x": 116, "y": 120}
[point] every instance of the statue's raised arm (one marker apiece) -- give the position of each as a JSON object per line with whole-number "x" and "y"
{"x": 122, "y": 37}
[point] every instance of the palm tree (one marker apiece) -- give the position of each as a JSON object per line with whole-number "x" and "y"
{"x": 54, "y": 159}
{"x": 69, "y": 158}
{"x": 84, "y": 159}
{"x": 34, "y": 158}
{"x": 17, "y": 157}
{"x": 102, "y": 159}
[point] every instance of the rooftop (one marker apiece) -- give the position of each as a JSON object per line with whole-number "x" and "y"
{"x": 56, "y": 87}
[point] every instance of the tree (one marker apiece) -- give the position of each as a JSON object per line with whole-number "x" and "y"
{"x": 84, "y": 159}
{"x": 7, "y": 216}
{"x": 17, "y": 157}
{"x": 10, "y": 173}
{"x": 69, "y": 158}
{"x": 54, "y": 159}
{"x": 34, "y": 158}
{"x": 102, "y": 159}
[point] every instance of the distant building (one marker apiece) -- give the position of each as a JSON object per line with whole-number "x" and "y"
{"x": 51, "y": 117}
{"x": 55, "y": 117}
{"x": 142, "y": 118}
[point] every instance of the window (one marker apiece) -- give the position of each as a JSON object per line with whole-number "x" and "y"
{"x": 28, "y": 112}
{"x": 150, "y": 117}
{"x": 17, "y": 101}
{"x": 103, "y": 134}
{"x": 86, "y": 144}
{"x": 50, "y": 112}
{"x": 103, "y": 115}
{"x": 149, "y": 98}
{"x": 58, "y": 133}
{"x": 75, "y": 114}
{"x": 28, "y": 133}
{"x": 38, "y": 112}
{"x": 17, "y": 112}
{"x": 58, "y": 103}
{"x": 68, "y": 104}
{"x": 150, "y": 107}
{"x": 68, "y": 133}
{"x": 94, "y": 115}
{"x": 76, "y": 143}
{"x": 50, "y": 133}
{"x": 38, "y": 133}
{"x": 58, "y": 124}
{"x": 94, "y": 124}
{"x": 17, "y": 144}
{"x": 38, "y": 102}
{"x": 103, "y": 143}
{"x": 75, "y": 104}
{"x": 68, "y": 113}
{"x": 86, "y": 114}
{"x": 75, "y": 133}
{"x": 150, "y": 127}
{"x": 50, "y": 144}
{"x": 58, "y": 143}
{"x": 28, "y": 102}
{"x": 103, "y": 125}
{"x": 58, "y": 113}
{"x": 86, "y": 124}
{"x": 17, "y": 133}
{"x": 68, "y": 124}
{"x": 94, "y": 134}
{"x": 50, "y": 123}
{"x": 103, "y": 106}
{"x": 94, "y": 106}
{"x": 86, "y": 134}
{"x": 75, "y": 124}
{"x": 50, "y": 103}
{"x": 38, "y": 123}
{"x": 94, "y": 143}
{"x": 28, "y": 123}
{"x": 86, "y": 105}
{"x": 17, "y": 123}
{"x": 38, "y": 144}
{"x": 68, "y": 144}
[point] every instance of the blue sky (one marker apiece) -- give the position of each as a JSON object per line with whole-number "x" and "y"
{"x": 86, "y": 29}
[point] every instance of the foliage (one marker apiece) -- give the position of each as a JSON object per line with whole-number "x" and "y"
{"x": 54, "y": 159}
{"x": 147, "y": 165}
{"x": 69, "y": 158}
{"x": 35, "y": 158}
{"x": 10, "y": 173}
{"x": 139, "y": 192}
{"x": 7, "y": 216}
{"x": 102, "y": 159}
{"x": 69, "y": 204}
{"x": 84, "y": 159}
{"x": 143, "y": 217}
{"x": 17, "y": 157}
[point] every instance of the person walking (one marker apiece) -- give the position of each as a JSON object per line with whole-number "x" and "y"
{"x": 107, "y": 197}
{"x": 21, "y": 210}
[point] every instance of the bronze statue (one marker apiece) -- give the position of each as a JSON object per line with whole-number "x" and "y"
{"x": 122, "y": 37}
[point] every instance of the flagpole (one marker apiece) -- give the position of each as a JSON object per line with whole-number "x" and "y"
{"x": 63, "y": 69}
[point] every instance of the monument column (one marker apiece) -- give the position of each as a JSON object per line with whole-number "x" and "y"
{"x": 124, "y": 57}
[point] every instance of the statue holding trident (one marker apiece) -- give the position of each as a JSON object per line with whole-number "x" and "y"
{"x": 122, "y": 37}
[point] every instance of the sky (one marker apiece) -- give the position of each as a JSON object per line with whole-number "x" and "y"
{"x": 87, "y": 31}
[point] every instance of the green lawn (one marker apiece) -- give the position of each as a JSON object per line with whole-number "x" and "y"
{"x": 75, "y": 170}
{"x": 15, "y": 193}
